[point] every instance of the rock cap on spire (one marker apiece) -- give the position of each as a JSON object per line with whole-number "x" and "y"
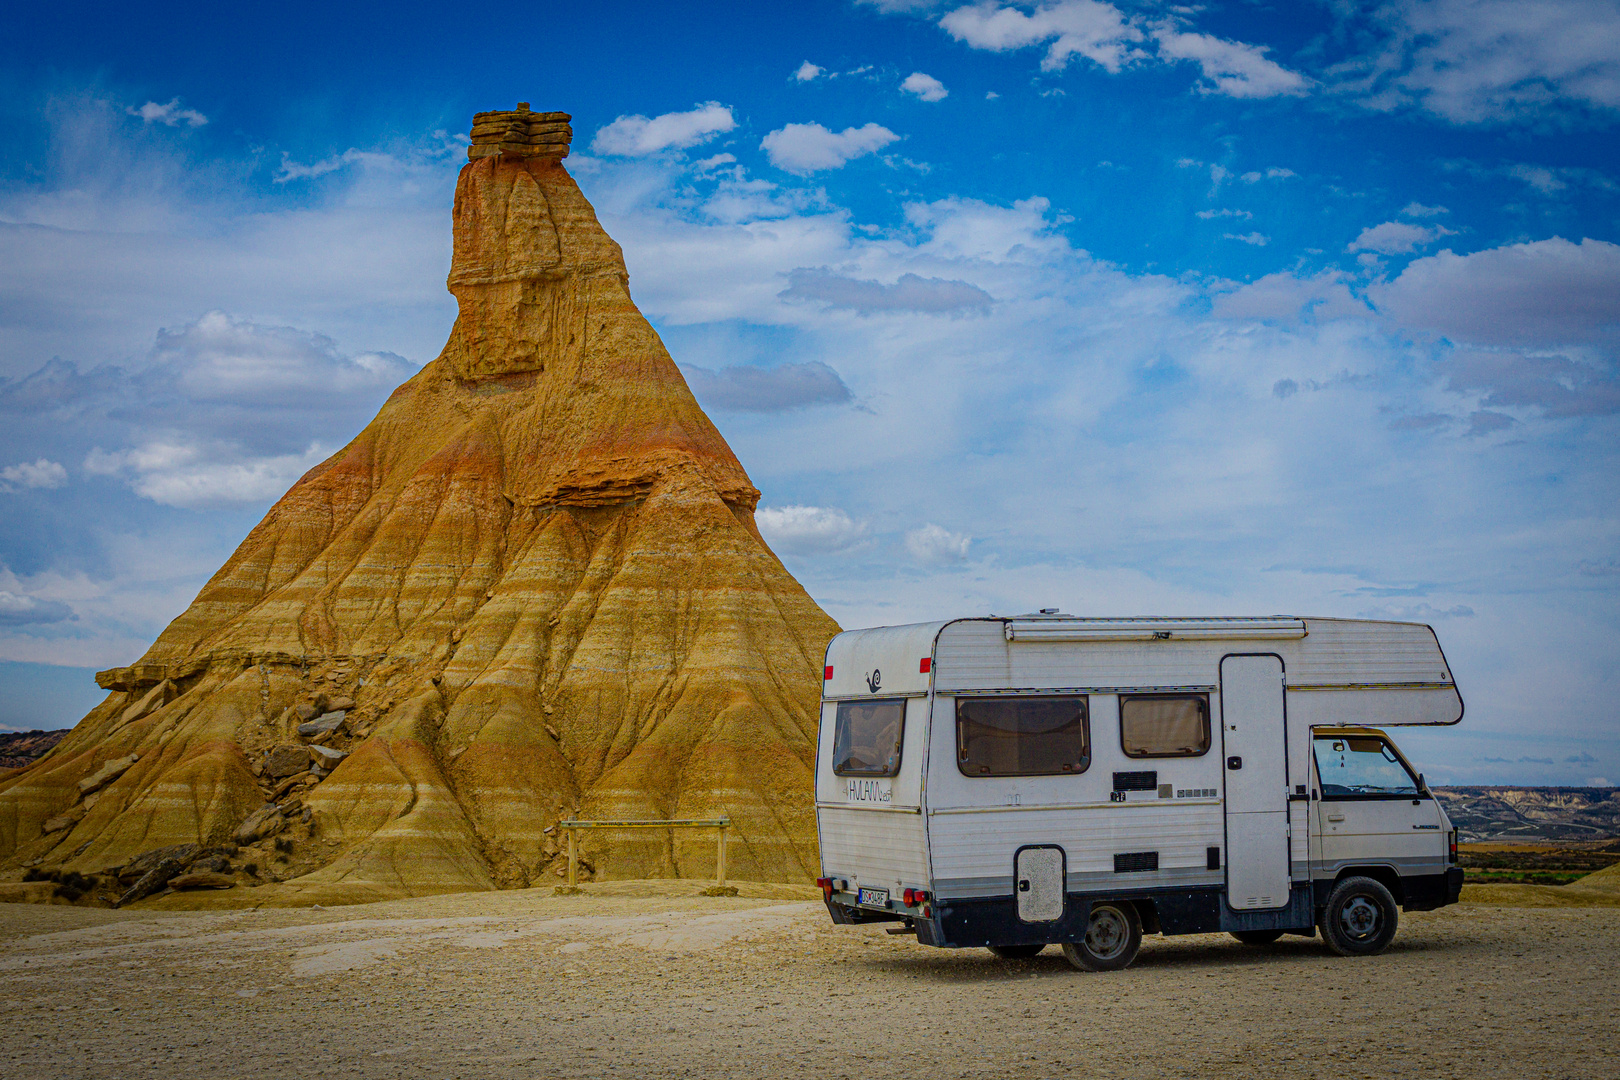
{"x": 520, "y": 133}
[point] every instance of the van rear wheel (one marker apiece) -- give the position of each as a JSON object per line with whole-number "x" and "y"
{"x": 1113, "y": 937}
{"x": 1016, "y": 952}
{"x": 1360, "y": 917}
{"x": 1257, "y": 937}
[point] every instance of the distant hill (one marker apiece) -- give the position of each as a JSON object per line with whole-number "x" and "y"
{"x": 1503, "y": 812}
{"x": 18, "y": 748}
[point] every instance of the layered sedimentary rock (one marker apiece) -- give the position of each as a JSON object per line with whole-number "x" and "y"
{"x": 530, "y": 589}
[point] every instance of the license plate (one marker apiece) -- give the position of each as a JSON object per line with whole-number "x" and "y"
{"x": 878, "y": 898}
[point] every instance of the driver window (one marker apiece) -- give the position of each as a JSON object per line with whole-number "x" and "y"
{"x": 1361, "y": 766}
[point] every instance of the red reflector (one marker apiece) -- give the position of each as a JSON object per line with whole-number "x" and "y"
{"x": 909, "y": 896}
{"x": 826, "y": 886}
{"x": 828, "y": 675}
{"x": 925, "y": 665}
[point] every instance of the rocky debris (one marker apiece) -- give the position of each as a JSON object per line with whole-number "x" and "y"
{"x": 306, "y": 711}
{"x": 321, "y": 725}
{"x": 212, "y": 863}
{"x": 263, "y": 822}
{"x": 19, "y": 748}
{"x": 290, "y": 783}
{"x": 154, "y": 879}
{"x": 63, "y": 820}
{"x": 325, "y": 757}
{"x": 107, "y": 774}
{"x": 201, "y": 880}
{"x": 285, "y": 761}
{"x": 340, "y": 704}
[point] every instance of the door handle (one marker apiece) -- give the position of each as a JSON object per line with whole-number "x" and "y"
{"x": 1335, "y": 817}
{"x": 1234, "y": 763}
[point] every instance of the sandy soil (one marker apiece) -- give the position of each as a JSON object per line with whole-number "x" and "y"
{"x": 650, "y": 980}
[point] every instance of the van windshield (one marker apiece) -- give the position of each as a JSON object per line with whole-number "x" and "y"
{"x": 1361, "y": 765}
{"x": 866, "y": 739}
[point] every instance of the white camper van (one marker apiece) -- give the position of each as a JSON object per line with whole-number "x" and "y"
{"x": 1015, "y": 782}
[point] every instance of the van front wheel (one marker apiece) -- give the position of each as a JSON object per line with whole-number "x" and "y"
{"x": 1113, "y": 936}
{"x": 1360, "y": 917}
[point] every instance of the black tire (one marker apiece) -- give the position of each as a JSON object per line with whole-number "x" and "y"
{"x": 1257, "y": 937}
{"x": 1360, "y": 918}
{"x": 1113, "y": 937}
{"x": 1016, "y": 952}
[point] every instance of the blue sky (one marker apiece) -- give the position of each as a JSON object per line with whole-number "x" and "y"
{"x": 1121, "y": 308}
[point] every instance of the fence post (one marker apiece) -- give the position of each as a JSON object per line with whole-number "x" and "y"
{"x": 720, "y": 854}
{"x": 573, "y": 856}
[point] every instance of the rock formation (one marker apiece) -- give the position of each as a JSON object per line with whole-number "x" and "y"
{"x": 531, "y": 588}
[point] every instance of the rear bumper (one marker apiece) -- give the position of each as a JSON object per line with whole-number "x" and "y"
{"x": 1432, "y": 891}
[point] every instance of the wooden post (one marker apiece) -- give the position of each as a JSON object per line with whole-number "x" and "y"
{"x": 573, "y": 856}
{"x": 720, "y": 854}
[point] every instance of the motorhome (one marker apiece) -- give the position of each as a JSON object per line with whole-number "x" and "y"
{"x": 1016, "y": 782}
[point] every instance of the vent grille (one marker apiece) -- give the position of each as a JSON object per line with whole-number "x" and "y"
{"x": 1130, "y": 862}
{"x": 1137, "y": 781}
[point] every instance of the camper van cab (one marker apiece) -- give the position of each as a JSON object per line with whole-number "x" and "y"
{"x": 1016, "y": 782}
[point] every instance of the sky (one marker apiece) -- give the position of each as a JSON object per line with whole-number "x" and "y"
{"x": 1120, "y": 308}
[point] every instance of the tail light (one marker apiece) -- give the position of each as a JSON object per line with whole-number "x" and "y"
{"x": 913, "y": 897}
{"x": 1452, "y": 845}
{"x": 826, "y": 887}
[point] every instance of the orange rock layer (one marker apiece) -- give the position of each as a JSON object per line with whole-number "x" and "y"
{"x": 536, "y": 576}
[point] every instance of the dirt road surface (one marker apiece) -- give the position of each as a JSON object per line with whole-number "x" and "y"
{"x": 656, "y": 982}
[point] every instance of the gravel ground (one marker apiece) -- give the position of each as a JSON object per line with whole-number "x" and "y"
{"x": 650, "y": 981}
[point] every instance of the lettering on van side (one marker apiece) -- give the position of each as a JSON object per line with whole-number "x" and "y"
{"x": 872, "y": 791}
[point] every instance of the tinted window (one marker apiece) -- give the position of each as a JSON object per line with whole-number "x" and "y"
{"x": 1164, "y": 725}
{"x": 866, "y": 740}
{"x": 1022, "y": 736}
{"x": 1352, "y": 765}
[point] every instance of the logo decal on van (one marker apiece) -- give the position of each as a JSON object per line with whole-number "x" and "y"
{"x": 877, "y": 791}
{"x": 874, "y": 681}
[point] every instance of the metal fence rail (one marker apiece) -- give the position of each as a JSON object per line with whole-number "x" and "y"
{"x": 720, "y": 825}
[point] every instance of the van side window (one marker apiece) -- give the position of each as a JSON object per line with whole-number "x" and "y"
{"x": 1023, "y": 736}
{"x": 1362, "y": 767}
{"x": 1164, "y": 725}
{"x": 866, "y": 740}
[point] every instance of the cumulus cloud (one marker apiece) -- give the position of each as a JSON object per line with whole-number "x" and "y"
{"x": 808, "y": 148}
{"x": 909, "y": 293}
{"x": 1543, "y": 293}
{"x": 1097, "y": 31}
{"x": 807, "y": 72}
{"x": 925, "y": 87}
{"x": 1230, "y": 67}
{"x": 744, "y": 388}
{"x": 17, "y": 610}
{"x": 1417, "y": 209}
{"x": 192, "y": 475}
{"x": 933, "y": 544}
{"x": 38, "y": 474}
{"x": 809, "y": 530}
{"x": 1551, "y": 382}
{"x": 1284, "y": 297}
{"x": 170, "y": 114}
{"x": 638, "y": 136}
{"x": 1256, "y": 239}
{"x": 1396, "y": 238}
{"x": 1480, "y": 61}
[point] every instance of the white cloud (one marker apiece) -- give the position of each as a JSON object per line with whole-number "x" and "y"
{"x": 1255, "y": 239}
{"x": 1396, "y": 238}
{"x": 1272, "y": 173}
{"x": 808, "y": 71}
{"x": 909, "y": 293}
{"x": 292, "y": 170}
{"x": 1230, "y": 67}
{"x": 808, "y": 148}
{"x": 39, "y": 474}
{"x": 932, "y": 544}
{"x": 170, "y": 114}
{"x": 1479, "y": 61}
{"x": 745, "y": 388}
{"x": 17, "y": 609}
{"x": 925, "y": 87}
{"x": 638, "y": 136}
{"x": 1541, "y": 294}
{"x": 1208, "y": 215}
{"x": 1096, "y": 31}
{"x": 1285, "y": 297}
{"x": 192, "y": 475}
{"x": 809, "y": 530}
{"x": 1417, "y": 209}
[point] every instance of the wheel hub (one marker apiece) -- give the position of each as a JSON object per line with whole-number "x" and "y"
{"x": 1359, "y": 917}
{"x": 1106, "y": 934}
